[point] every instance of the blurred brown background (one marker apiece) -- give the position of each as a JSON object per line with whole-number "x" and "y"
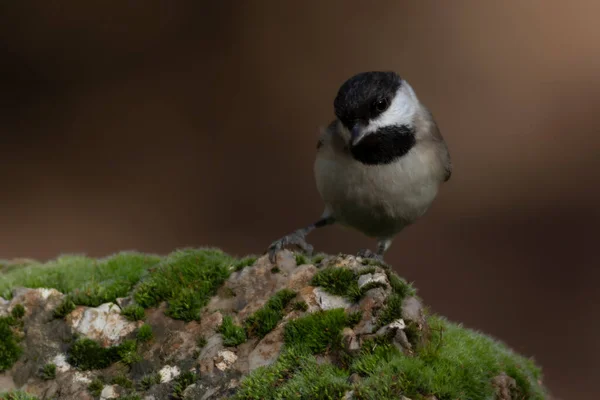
{"x": 155, "y": 125}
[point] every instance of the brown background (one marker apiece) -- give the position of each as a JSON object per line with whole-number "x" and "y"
{"x": 156, "y": 125}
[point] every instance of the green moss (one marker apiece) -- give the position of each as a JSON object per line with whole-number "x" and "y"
{"x": 458, "y": 363}
{"x": 301, "y": 259}
{"x": 182, "y": 382}
{"x": 87, "y": 354}
{"x": 122, "y": 381}
{"x": 336, "y": 280}
{"x": 16, "y": 395}
{"x": 391, "y": 311}
{"x": 10, "y": 351}
{"x": 296, "y": 375}
{"x": 134, "y": 312}
{"x": 266, "y": 319}
{"x": 90, "y": 282}
{"x": 343, "y": 282}
{"x": 317, "y": 332}
{"x": 65, "y": 308}
{"x": 127, "y": 352}
{"x": 186, "y": 279}
{"x": 144, "y": 333}
{"x": 232, "y": 334}
{"x": 354, "y": 318}
{"x": 131, "y": 396}
{"x": 318, "y": 258}
{"x": 244, "y": 262}
{"x": 201, "y": 341}
{"x": 373, "y": 262}
{"x": 315, "y": 381}
{"x": 48, "y": 372}
{"x": 299, "y": 306}
{"x": 18, "y": 311}
{"x": 263, "y": 382}
{"x": 400, "y": 286}
{"x": 367, "y": 270}
{"x": 275, "y": 270}
{"x": 95, "y": 387}
{"x": 149, "y": 380}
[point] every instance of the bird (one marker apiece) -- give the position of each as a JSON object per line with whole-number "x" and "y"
{"x": 379, "y": 164}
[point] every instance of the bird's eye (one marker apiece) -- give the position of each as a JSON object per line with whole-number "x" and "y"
{"x": 380, "y": 105}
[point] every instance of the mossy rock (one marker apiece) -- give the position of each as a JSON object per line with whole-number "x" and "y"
{"x": 440, "y": 359}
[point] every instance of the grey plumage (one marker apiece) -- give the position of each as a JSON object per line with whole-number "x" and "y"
{"x": 379, "y": 164}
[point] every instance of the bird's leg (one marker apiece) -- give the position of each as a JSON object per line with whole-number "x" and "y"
{"x": 298, "y": 238}
{"x": 382, "y": 245}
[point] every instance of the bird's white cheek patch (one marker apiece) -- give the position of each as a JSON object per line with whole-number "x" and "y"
{"x": 400, "y": 112}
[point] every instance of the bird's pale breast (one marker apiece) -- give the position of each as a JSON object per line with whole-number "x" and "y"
{"x": 378, "y": 200}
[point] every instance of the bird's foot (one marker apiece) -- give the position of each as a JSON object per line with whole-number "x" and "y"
{"x": 367, "y": 254}
{"x": 296, "y": 239}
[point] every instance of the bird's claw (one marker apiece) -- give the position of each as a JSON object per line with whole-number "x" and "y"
{"x": 295, "y": 239}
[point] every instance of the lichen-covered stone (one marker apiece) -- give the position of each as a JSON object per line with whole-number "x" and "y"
{"x": 225, "y": 359}
{"x": 104, "y": 323}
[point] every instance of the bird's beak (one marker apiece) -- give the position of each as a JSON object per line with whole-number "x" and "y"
{"x": 357, "y": 133}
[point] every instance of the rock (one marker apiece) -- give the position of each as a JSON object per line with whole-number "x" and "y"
{"x": 350, "y": 340}
{"x": 267, "y": 350}
{"x": 367, "y": 306}
{"x": 109, "y": 392}
{"x": 252, "y": 287}
{"x": 82, "y": 377}
{"x": 187, "y": 393}
{"x": 168, "y": 373}
{"x": 104, "y": 323}
{"x": 225, "y": 359}
{"x": 38, "y": 303}
{"x": 393, "y": 326}
{"x": 377, "y": 277}
{"x": 348, "y": 395}
{"x": 60, "y": 360}
{"x": 6, "y": 382}
{"x": 328, "y": 301}
{"x": 354, "y": 378}
{"x": 345, "y": 261}
{"x": 307, "y": 295}
{"x": 209, "y": 323}
{"x": 412, "y": 310}
{"x": 208, "y": 354}
{"x": 123, "y": 302}
{"x": 4, "y": 304}
{"x": 399, "y": 338}
{"x": 379, "y": 295}
{"x": 301, "y": 276}
{"x": 504, "y": 385}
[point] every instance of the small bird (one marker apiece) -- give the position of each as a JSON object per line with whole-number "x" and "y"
{"x": 379, "y": 163}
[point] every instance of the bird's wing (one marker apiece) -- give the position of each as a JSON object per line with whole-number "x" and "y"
{"x": 444, "y": 153}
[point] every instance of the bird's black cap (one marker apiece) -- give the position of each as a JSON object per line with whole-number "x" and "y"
{"x": 357, "y": 98}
